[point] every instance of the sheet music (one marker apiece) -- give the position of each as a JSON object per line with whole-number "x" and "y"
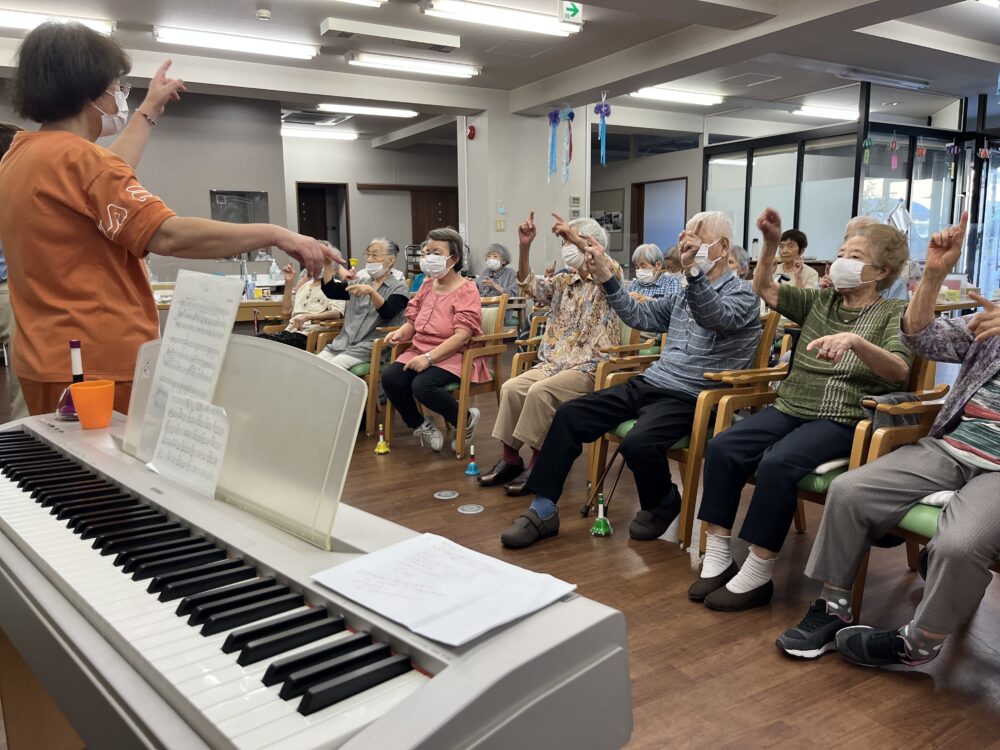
{"x": 442, "y": 590}
{"x": 200, "y": 320}
{"x": 192, "y": 443}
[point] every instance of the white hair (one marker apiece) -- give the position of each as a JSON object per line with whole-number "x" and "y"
{"x": 591, "y": 228}
{"x": 857, "y": 223}
{"x": 647, "y": 253}
{"x": 500, "y": 250}
{"x": 715, "y": 223}
{"x": 388, "y": 245}
{"x": 742, "y": 258}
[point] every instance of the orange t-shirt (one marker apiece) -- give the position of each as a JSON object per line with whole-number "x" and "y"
{"x": 74, "y": 226}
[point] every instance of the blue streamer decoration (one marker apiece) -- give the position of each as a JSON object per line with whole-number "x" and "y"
{"x": 603, "y": 110}
{"x": 554, "y": 118}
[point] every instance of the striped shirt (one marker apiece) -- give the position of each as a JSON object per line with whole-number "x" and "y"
{"x": 711, "y": 326}
{"x": 976, "y": 438}
{"x": 661, "y": 286}
{"x": 818, "y": 389}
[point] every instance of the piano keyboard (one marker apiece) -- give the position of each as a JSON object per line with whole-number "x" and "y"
{"x": 263, "y": 667}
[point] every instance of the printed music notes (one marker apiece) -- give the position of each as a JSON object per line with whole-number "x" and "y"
{"x": 192, "y": 443}
{"x": 200, "y": 321}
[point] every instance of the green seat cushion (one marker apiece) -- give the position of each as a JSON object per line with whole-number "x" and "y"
{"x": 361, "y": 370}
{"x": 820, "y": 483}
{"x": 653, "y": 350}
{"x": 921, "y": 519}
{"x": 625, "y": 427}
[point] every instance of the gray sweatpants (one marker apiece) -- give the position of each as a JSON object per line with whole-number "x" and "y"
{"x": 866, "y": 503}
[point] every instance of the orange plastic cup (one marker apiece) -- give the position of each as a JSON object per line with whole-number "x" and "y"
{"x": 94, "y": 401}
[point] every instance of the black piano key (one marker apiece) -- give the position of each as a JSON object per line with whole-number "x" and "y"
{"x": 36, "y": 463}
{"x": 240, "y": 638}
{"x": 181, "y": 560}
{"x": 233, "y": 618}
{"x": 272, "y": 645}
{"x": 103, "y": 540}
{"x": 189, "y": 603}
{"x": 201, "y": 612}
{"x": 195, "y": 571}
{"x": 205, "y": 583}
{"x": 341, "y": 688}
{"x": 147, "y": 537}
{"x": 16, "y": 471}
{"x": 80, "y": 489}
{"x": 128, "y": 560}
{"x": 27, "y": 479}
{"x": 56, "y": 481}
{"x": 279, "y": 670}
{"x": 65, "y": 511}
{"x": 93, "y": 529}
{"x": 297, "y": 682}
{"x": 97, "y": 493}
{"x": 99, "y": 516}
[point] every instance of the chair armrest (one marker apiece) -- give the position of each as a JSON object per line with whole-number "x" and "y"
{"x": 399, "y": 349}
{"x": 739, "y": 398}
{"x": 887, "y": 439}
{"x": 756, "y": 378}
{"x": 618, "y": 378}
{"x": 324, "y": 338}
{"x": 387, "y": 329}
{"x": 720, "y": 377}
{"x": 605, "y": 368}
{"x": 624, "y": 348}
{"x": 272, "y": 329}
{"x": 910, "y": 407}
{"x": 523, "y": 361}
{"x": 486, "y": 337}
{"x": 484, "y": 351}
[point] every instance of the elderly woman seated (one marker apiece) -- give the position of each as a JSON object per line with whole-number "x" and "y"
{"x": 440, "y": 320}
{"x": 793, "y": 269}
{"x": 499, "y": 277}
{"x": 739, "y": 262}
{"x": 307, "y": 304}
{"x": 650, "y": 282}
{"x": 377, "y": 298}
{"x": 850, "y": 348}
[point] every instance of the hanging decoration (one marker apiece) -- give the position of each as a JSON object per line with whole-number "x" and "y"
{"x": 893, "y": 148}
{"x": 953, "y": 150}
{"x": 554, "y": 118}
{"x": 568, "y": 115}
{"x": 868, "y": 143}
{"x": 603, "y": 110}
{"x": 921, "y": 151}
{"x": 984, "y": 153}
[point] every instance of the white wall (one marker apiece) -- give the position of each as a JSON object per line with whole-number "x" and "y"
{"x": 371, "y": 213}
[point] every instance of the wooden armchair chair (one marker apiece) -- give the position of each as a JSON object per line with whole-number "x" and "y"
{"x": 689, "y": 451}
{"x": 329, "y": 328}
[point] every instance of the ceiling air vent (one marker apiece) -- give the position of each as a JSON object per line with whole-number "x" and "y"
{"x": 313, "y": 118}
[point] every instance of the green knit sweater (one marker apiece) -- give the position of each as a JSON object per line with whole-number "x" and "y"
{"x": 817, "y": 389}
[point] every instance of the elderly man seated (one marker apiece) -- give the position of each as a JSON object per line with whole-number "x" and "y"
{"x": 580, "y": 324}
{"x": 713, "y": 324}
{"x": 307, "y": 305}
{"x": 377, "y": 298}
{"x": 961, "y": 455}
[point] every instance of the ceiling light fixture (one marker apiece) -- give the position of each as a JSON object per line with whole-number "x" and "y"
{"x": 991, "y": 3}
{"x": 495, "y": 15}
{"x": 365, "y": 3}
{"x": 826, "y": 113}
{"x": 411, "y": 65}
{"x": 678, "y": 97}
{"x": 24, "y": 21}
{"x": 317, "y": 132}
{"x": 354, "y": 109}
{"x": 233, "y": 43}
{"x": 883, "y": 79}
{"x": 728, "y": 162}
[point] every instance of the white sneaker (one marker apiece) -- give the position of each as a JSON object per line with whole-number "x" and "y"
{"x": 429, "y": 435}
{"x": 470, "y": 428}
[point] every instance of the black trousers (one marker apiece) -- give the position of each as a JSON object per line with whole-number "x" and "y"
{"x": 782, "y": 449}
{"x": 405, "y": 387}
{"x": 292, "y": 338}
{"x": 664, "y": 418}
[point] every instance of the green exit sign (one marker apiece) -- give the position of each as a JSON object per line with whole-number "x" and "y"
{"x": 571, "y": 12}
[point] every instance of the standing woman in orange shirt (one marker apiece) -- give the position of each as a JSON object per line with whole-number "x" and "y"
{"x": 75, "y": 222}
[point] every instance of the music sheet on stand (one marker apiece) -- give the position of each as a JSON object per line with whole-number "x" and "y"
{"x": 442, "y": 590}
{"x": 200, "y": 320}
{"x": 192, "y": 443}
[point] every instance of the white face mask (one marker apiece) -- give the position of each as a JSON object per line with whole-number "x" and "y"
{"x": 701, "y": 258}
{"x": 845, "y": 273}
{"x": 435, "y": 266}
{"x": 493, "y": 264}
{"x": 375, "y": 269}
{"x": 572, "y": 256}
{"x": 645, "y": 275}
{"x": 113, "y": 124}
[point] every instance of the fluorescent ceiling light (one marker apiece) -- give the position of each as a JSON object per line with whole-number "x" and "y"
{"x": 16, "y": 19}
{"x": 826, "y": 113}
{"x": 354, "y": 109}
{"x": 991, "y": 3}
{"x": 882, "y": 79}
{"x": 730, "y": 162}
{"x": 678, "y": 97}
{"x": 495, "y": 15}
{"x": 366, "y": 3}
{"x": 233, "y": 43}
{"x": 411, "y": 65}
{"x": 288, "y": 131}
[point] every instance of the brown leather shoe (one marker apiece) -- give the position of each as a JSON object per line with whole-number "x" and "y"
{"x": 705, "y": 586}
{"x": 517, "y": 487}
{"x": 501, "y": 473}
{"x": 726, "y": 601}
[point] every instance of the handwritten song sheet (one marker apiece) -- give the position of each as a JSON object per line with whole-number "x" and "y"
{"x": 442, "y": 590}
{"x": 192, "y": 443}
{"x": 200, "y": 320}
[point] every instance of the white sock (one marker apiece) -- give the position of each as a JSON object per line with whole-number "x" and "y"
{"x": 756, "y": 571}
{"x": 718, "y": 555}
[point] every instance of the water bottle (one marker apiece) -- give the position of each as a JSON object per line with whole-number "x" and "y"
{"x": 274, "y": 271}
{"x": 250, "y": 286}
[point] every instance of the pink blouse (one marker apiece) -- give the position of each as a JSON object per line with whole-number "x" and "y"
{"x": 436, "y": 318}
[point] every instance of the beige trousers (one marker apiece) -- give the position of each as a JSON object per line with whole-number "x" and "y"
{"x": 15, "y": 400}
{"x": 529, "y": 401}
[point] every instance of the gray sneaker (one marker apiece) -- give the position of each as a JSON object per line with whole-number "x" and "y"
{"x": 814, "y": 635}
{"x": 528, "y": 528}
{"x": 470, "y": 429}
{"x": 429, "y": 435}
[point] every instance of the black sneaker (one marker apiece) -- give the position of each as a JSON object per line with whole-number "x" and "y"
{"x": 870, "y": 647}
{"x": 814, "y": 636}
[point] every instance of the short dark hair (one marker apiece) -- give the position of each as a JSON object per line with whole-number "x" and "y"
{"x": 7, "y": 132}
{"x": 454, "y": 240}
{"x": 799, "y": 238}
{"x": 61, "y": 67}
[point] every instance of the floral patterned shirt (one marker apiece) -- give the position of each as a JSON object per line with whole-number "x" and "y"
{"x": 581, "y": 322}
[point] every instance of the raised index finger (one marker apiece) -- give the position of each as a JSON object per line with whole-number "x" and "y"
{"x": 559, "y": 218}
{"x": 531, "y": 218}
{"x": 161, "y": 72}
{"x": 983, "y": 302}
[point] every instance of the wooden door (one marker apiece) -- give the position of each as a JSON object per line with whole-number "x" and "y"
{"x": 431, "y": 209}
{"x": 312, "y": 211}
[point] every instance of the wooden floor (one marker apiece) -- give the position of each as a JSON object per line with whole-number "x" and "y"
{"x": 703, "y": 679}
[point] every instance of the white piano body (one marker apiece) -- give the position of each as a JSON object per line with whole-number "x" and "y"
{"x": 556, "y": 679}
